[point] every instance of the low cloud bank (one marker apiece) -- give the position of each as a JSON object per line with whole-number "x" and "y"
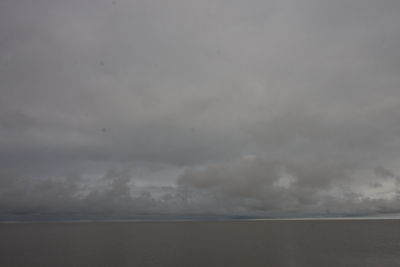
{"x": 245, "y": 187}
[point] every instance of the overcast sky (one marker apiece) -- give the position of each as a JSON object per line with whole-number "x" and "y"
{"x": 227, "y": 107}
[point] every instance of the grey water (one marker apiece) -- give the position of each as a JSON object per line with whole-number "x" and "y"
{"x": 227, "y": 243}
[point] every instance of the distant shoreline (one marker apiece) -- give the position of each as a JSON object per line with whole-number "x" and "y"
{"x": 200, "y": 220}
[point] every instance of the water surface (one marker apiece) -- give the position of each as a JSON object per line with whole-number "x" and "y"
{"x": 238, "y": 243}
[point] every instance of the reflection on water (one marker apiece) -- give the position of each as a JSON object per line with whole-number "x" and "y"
{"x": 257, "y": 243}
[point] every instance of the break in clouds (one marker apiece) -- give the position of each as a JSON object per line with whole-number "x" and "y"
{"x": 162, "y": 108}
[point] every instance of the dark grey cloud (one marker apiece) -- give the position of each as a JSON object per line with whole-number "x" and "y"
{"x": 145, "y": 107}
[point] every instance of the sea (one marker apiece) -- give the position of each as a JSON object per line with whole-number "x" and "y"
{"x": 369, "y": 242}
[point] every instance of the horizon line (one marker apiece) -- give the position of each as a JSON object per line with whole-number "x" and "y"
{"x": 355, "y": 218}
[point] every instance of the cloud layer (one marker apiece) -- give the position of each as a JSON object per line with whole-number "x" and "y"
{"x": 264, "y": 108}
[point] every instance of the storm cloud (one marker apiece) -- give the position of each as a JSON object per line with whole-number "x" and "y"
{"x": 261, "y": 108}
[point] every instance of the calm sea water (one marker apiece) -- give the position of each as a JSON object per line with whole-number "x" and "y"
{"x": 242, "y": 243}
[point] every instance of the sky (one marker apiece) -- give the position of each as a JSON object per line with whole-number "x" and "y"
{"x": 121, "y": 108}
